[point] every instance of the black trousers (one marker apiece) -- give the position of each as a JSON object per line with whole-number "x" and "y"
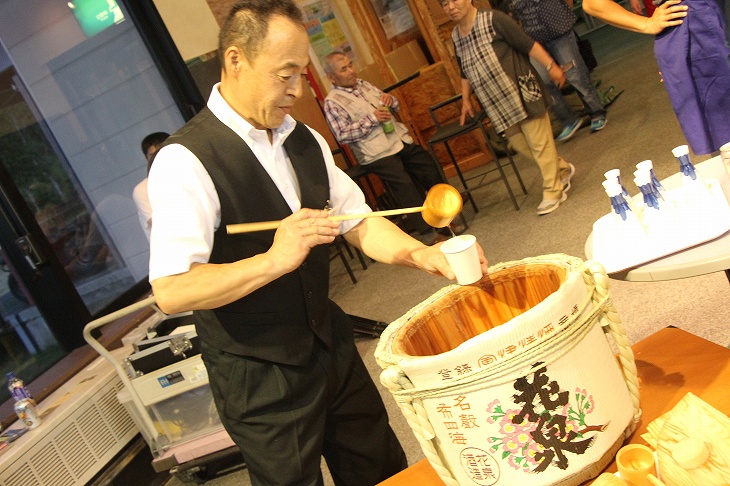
{"x": 401, "y": 172}
{"x": 285, "y": 418}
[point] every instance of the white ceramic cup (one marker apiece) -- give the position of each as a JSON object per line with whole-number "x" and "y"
{"x": 725, "y": 155}
{"x": 461, "y": 253}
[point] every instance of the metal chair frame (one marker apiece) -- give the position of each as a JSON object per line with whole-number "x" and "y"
{"x": 446, "y": 132}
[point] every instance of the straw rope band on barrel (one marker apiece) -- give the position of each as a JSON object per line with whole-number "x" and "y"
{"x": 597, "y": 273}
{"x": 595, "y": 307}
{"x": 395, "y": 380}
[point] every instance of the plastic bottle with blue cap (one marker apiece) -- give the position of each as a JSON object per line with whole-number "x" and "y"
{"x": 694, "y": 191}
{"x": 648, "y": 165}
{"x": 614, "y": 175}
{"x": 618, "y": 202}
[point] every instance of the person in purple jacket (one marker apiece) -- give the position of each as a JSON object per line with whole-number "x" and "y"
{"x": 693, "y": 55}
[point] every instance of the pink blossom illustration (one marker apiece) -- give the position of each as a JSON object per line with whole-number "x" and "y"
{"x": 516, "y": 441}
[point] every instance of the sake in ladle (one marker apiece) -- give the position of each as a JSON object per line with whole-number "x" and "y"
{"x": 443, "y": 203}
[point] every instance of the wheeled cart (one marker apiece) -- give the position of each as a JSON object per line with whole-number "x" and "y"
{"x": 166, "y": 392}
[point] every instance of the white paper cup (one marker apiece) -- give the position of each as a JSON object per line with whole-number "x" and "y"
{"x": 461, "y": 253}
{"x": 612, "y": 187}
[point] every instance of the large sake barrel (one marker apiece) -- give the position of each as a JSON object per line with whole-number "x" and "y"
{"x": 523, "y": 378}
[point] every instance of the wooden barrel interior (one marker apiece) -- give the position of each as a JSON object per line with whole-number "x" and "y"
{"x": 473, "y": 309}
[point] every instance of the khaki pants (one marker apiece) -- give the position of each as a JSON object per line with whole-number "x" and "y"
{"x": 533, "y": 138}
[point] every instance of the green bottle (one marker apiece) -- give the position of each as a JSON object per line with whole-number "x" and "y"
{"x": 387, "y": 125}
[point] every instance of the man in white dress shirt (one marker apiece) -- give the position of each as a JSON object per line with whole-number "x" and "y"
{"x": 285, "y": 374}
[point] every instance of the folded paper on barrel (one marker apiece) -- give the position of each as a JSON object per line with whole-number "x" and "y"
{"x": 692, "y": 431}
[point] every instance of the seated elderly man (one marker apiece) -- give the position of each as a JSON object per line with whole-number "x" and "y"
{"x": 356, "y": 111}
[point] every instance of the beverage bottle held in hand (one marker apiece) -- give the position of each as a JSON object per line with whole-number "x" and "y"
{"x": 387, "y": 125}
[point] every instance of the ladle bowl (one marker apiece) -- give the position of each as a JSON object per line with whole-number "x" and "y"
{"x": 443, "y": 203}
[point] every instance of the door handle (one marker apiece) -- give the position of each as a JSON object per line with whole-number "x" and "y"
{"x": 25, "y": 244}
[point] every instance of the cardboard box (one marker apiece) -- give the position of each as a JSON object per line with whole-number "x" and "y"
{"x": 372, "y": 75}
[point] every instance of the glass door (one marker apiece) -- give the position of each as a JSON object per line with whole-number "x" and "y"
{"x": 51, "y": 191}
{"x": 79, "y": 90}
{"x": 27, "y": 345}
{"x": 37, "y": 311}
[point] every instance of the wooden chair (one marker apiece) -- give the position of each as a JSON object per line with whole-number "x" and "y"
{"x": 447, "y": 131}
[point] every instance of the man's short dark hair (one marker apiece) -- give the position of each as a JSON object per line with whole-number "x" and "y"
{"x": 247, "y": 25}
{"x": 153, "y": 139}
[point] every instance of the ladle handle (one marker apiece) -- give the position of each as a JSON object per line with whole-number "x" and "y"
{"x": 233, "y": 229}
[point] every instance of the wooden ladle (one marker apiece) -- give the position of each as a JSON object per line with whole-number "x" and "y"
{"x": 443, "y": 203}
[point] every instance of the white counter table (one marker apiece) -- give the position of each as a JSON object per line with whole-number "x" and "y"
{"x": 711, "y": 256}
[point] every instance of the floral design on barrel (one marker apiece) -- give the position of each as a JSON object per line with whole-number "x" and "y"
{"x": 546, "y": 428}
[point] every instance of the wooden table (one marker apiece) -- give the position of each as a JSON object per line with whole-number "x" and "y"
{"x": 670, "y": 363}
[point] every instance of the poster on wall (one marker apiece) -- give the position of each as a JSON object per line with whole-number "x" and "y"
{"x": 324, "y": 30}
{"x": 395, "y": 16}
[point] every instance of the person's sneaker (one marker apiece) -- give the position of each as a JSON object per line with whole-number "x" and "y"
{"x": 569, "y": 130}
{"x": 566, "y": 179}
{"x": 550, "y": 205}
{"x": 597, "y": 124}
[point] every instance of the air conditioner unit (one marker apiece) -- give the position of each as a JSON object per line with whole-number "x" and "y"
{"x": 83, "y": 427}
{"x": 95, "y": 414}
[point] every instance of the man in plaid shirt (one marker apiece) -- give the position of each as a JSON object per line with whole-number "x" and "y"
{"x": 355, "y": 111}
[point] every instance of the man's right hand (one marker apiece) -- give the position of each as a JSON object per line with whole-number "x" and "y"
{"x": 297, "y": 235}
{"x": 382, "y": 114}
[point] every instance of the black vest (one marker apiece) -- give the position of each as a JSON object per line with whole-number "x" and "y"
{"x": 279, "y": 321}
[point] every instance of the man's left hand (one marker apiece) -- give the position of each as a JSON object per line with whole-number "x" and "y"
{"x": 432, "y": 260}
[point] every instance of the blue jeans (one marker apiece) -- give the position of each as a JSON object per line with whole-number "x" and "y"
{"x": 564, "y": 50}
